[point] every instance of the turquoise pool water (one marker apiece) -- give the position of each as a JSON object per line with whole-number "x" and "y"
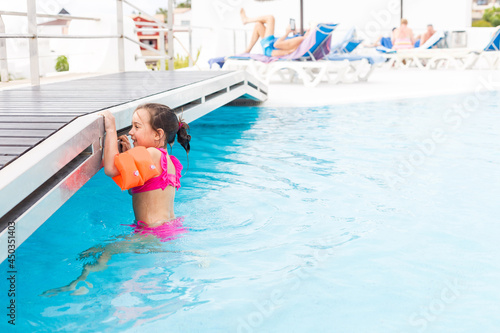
{"x": 372, "y": 217}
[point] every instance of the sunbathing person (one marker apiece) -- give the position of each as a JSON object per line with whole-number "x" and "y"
{"x": 264, "y": 29}
{"x": 402, "y": 37}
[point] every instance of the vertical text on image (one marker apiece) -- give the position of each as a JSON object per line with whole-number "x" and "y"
{"x": 11, "y": 272}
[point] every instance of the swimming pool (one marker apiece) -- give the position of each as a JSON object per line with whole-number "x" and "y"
{"x": 371, "y": 217}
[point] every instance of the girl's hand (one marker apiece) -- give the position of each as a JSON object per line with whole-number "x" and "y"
{"x": 124, "y": 143}
{"x": 109, "y": 121}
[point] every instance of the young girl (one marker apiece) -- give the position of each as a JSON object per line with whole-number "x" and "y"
{"x": 153, "y": 127}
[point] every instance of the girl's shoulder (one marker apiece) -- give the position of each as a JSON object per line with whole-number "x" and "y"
{"x": 156, "y": 155}
{"x": 154, "y": 152}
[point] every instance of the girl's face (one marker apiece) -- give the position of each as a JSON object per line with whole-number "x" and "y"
{"x": 142, "y": 133}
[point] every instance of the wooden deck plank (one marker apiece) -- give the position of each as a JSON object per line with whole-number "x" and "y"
{"x": 54, "y": 108}
{"x": 59, "y": 98}
{"x": 25, "y": 133}
{"x": 50, "y": 103}
{"x": 32, "y": 125}
{"x": 21, "y": 109}
{"x": 35, "y": 119}
{"x": 5, "y": 159}
{"x": 44, "y": 114}
{"x": 17, "y": 142}
{"x": 6, "y": 150}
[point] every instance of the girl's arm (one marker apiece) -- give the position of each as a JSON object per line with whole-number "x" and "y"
{"x": 110, "y": 144}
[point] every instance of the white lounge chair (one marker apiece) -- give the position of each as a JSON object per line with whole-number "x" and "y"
{"x": 313, "y": 72}
{"x": 459, "y": 58}
{"x": 302, "y": 64}
{"x": 345, "y": 64}
{"x": 418, "y": 57}
{"x": 339, "y": 66}
{"x": 342, "y": 65}
{"x": 491, "y": 55}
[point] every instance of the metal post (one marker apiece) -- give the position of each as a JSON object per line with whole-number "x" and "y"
{"x": 162, "y": 50}
{"x": 234, "y": 41}
{"x": 190, "y": 47}
{"x": 301, "y": 17}
{"x": 4, "y": 71}
{"x": 170, "y": 40}
{"x": 33, "y": 44}
{"x": 120, "y": 39}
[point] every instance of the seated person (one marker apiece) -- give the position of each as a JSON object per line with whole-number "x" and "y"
{"x": 402, "y": 37}
{"x": 428, "y": 34}
{"x": 264, "y": 29}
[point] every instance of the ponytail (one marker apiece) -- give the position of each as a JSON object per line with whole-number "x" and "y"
{"x": 183, "y": 136}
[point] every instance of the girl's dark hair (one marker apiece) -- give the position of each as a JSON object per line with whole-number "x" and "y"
{"x": 163, "y": 117}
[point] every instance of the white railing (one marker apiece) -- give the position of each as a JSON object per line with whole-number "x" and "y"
{"x": 33, "y": 36}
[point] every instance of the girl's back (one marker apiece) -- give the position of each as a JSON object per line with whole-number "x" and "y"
{"x": 152, "y": 204}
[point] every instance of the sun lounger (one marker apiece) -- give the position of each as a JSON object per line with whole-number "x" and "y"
{"x": 458, "y": 58}
{"x": 344, "y": 42}
{"x": 302, "y": 63}
{"x": 346, "y": 66}
{"x": 491, "y": 54}
{"x": 340, "y": 65}
{"x": 417, "y": 57}
{"x": 466, "y": 58}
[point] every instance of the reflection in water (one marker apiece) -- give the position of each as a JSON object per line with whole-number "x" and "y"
{"x": 143, "y": 240}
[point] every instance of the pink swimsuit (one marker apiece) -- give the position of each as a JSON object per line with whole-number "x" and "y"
{"x": 165, "y": 232}
{"x": 171, "y": 229}
{"x": 165, "y": 179}
{"x": 402, "y": 44}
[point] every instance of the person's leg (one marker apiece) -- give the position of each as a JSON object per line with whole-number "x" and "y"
{"x": 267, "y": 21}
{"x": 258, "y": 32}
{"x": 289, "y": 44}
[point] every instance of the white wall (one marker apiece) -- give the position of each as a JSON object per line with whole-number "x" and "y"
{"x": 478, "y": 38}
{"x": 443, "y": 14}
{"x": 99, "y": 55}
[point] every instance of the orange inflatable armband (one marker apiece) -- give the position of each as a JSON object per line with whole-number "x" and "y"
{"x": 136, "y": 167}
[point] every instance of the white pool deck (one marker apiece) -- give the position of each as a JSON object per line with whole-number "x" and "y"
{"x": 384, "y": 84}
